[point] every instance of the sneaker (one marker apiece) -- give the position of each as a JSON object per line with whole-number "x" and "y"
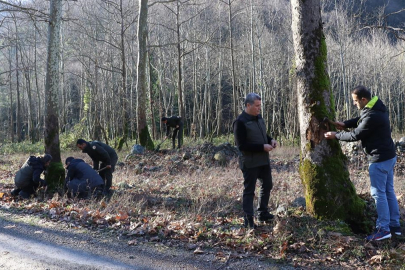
{"x": 249, "y": 222}
{"x": 378, "y": 235}
{"x": 266, "y": 216}
{"x": 395, "y": 230}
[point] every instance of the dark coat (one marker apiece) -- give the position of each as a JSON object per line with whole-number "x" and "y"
{"x": 30, "y": 173}
{"x": 100, "y": 152}
{"x": 173, "y": 122}
{"x": 78, "y": 169}
{"x": 374, "y": 131}
{"x": 250, "y": 137}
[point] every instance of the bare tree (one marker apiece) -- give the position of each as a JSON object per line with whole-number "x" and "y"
{"x": 142, "y": 127}
{"x": 52, "y": 146}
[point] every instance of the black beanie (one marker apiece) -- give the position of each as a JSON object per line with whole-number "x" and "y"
{"x": 68, "y": 160}
{"x": 80, "y": 141}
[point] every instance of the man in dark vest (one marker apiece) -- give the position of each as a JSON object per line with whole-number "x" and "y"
{"x": 28, "y": 178}
{"x": 254, "y": 145}
{"x": 101, "y": 152}
{"x": 373, "y": 129}
{"x": 81, "y": 180}
{"x": 176, "y": 123}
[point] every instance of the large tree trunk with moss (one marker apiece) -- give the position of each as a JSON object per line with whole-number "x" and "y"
{"x": 56, "y": 172}
{"x": 142, "y": 127}
{"x": 329, "y": 193}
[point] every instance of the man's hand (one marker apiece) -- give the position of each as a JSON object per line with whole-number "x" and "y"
{"x": 273, "y": 143}
{"x": 108, "y": 166}
{"x": 267, "y": 147}
{"x": 330, "y": 135}
{"x": 340, "y": 125}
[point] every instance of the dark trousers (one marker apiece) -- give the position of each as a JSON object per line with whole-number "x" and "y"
{"x": 179, "y": 133}
{"x": 263, "y": 173}
{"x": 107, "y": 173}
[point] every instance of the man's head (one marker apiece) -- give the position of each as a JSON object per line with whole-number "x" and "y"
{"x": 68, "y": 160}
{"x": 164, "y": 119}
{"x": 253, "y": 104}
{"x": 81, "y": 144}
{"x": 361, "y": 96}
{"x": 46, "y": 159}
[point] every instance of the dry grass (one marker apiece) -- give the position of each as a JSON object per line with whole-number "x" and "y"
{"x": 161, "y": 197}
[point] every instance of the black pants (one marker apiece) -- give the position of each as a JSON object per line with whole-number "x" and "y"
{"x": 107, "y": 173}
{"x": 263, "y": 173}
{"x": 179, "y": 133}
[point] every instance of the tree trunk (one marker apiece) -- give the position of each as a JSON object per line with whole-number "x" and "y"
{"x": 329, "y": 193}
{"x": 142, "y": 127}
{"x": 56, "y": 171}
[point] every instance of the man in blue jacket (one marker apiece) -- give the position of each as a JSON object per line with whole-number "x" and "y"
{"x": 81, "y": 180}
{"x": 101, "y": 152}
{"x": 372, "y": 128}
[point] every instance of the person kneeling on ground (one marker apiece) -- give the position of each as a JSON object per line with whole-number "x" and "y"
{"x": 81, "y": 180}
{"x": 28, "y": 178}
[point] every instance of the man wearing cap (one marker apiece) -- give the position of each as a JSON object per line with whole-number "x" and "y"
{"x": 176, "y": 123}
{"x": 101, "y": 152}
{"x": 81, "y": 180}
{"x": 28, "y": 178}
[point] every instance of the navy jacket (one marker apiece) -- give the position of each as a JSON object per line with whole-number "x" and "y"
{"x": 78, "y": 169}
{"x": 374, "y": 131}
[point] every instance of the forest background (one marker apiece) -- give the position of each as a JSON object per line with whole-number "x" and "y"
{"x": 203, "y": 57}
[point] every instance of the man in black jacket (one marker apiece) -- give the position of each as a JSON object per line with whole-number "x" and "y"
{"x": 254, "y": 144}
{"x": 372, "y": 128}
{"x": 28, "y": 178}
{"x": 99, "y": 151}
{"x": 175, "y": 123}
{"x": 81, "y": 180}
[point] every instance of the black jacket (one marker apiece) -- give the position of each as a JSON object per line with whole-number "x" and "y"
{"x": 78, "y": 169}
{"x": 173, "y": 122}
{"x": 30, "y": 173}
{"x": 250, "y": 137}
{"x": 373, "y": 129}
{"x": 99, "y": 151}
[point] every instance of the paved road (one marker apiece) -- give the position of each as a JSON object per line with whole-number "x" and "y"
{"x": 27, "y": 243}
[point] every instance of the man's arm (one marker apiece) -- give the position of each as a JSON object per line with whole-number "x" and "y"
{"x": 352, "y": 123}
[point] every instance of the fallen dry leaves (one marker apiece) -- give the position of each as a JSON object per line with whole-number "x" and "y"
{"x": 196, "y": 204}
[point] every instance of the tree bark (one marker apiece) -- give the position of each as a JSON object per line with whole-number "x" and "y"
{"x": 56, "y": 171}
{"x": 329, "y": 193}
{"x": 142, "y": 127}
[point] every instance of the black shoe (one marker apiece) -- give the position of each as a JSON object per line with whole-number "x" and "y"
{"x": 263, "y": 217}
{"x": 249, "y": 222}
{"x": 15, "y": 192}
{"x": 396, "y": 230}
{"x": 24, "y": 194}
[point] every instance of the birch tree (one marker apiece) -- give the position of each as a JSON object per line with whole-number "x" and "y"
{"x": 329, "y": 193}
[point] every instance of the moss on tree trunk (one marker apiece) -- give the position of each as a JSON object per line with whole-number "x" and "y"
{"x": 329, "y": 193}
{"x": 55, "y": 177}
{"x": 145, "y": 139}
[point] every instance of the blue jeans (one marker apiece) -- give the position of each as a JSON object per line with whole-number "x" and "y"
{"x": 382, "y": 190}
